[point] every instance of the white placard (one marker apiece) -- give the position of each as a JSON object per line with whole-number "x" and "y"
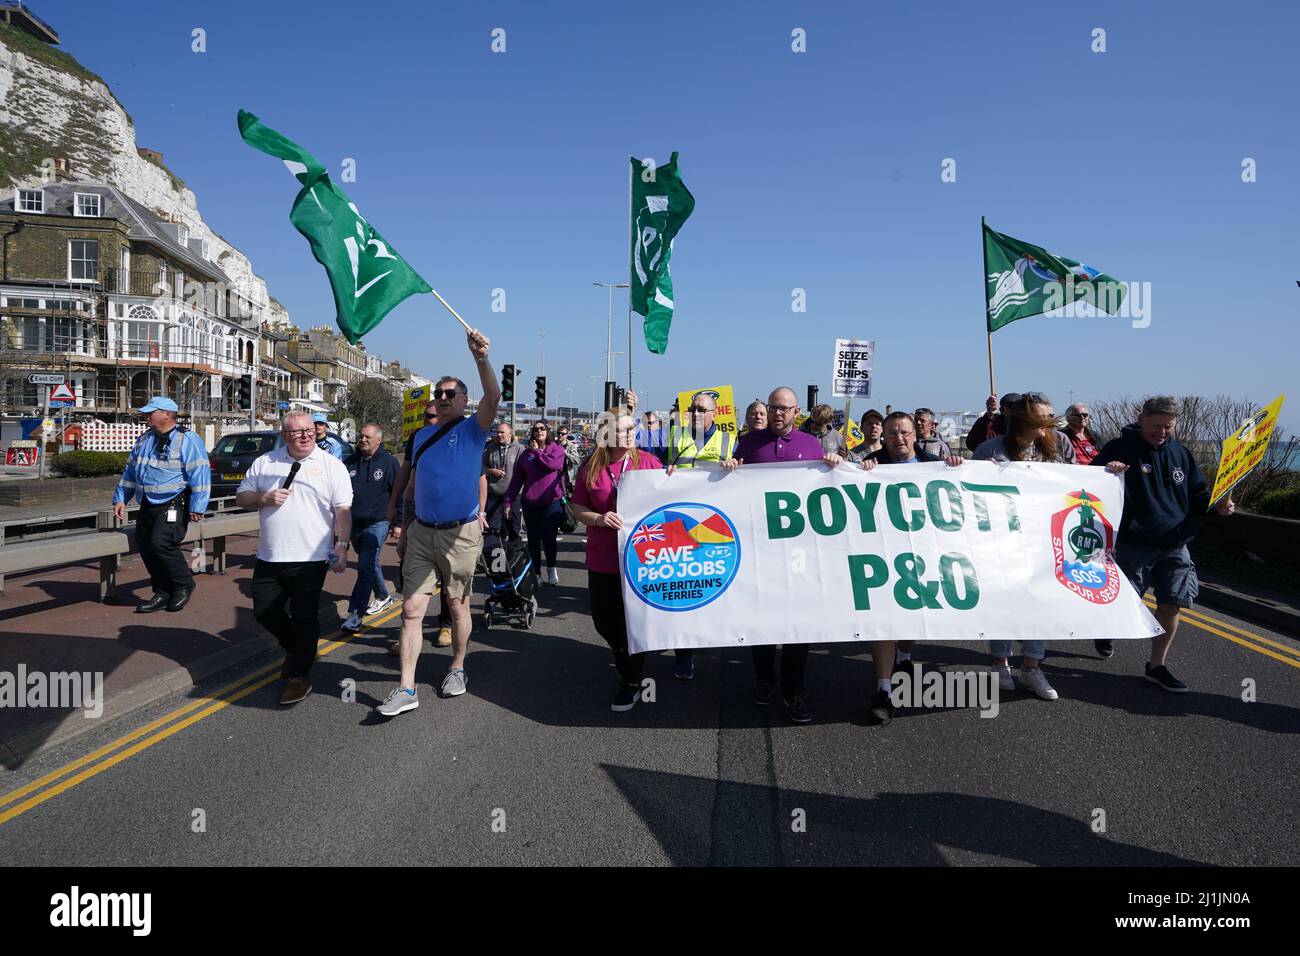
{"x": 851, "y": 373}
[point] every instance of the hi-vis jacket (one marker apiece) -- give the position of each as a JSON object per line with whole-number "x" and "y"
{"x": 683, "y": 452}
{"x": 161, "y": 466}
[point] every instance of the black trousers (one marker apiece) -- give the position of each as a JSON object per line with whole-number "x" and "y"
{"x": 794, "y": 659}
{"x": 606, "y": 592}
{"x": 159, "y": 541}
{"x": 286, "y": 601}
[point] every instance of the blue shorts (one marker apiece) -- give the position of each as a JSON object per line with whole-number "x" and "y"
{"x": 1169, "y": 570}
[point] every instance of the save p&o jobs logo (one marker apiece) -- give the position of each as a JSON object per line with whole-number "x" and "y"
{"x": 1082, "y": 541}
{"x": 682, "y": 556}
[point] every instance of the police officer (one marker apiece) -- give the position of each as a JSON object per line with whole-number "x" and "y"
{"x": 327, "y": 444}
{"x": 700, "y": 441}
{"x": 168, "y": 469}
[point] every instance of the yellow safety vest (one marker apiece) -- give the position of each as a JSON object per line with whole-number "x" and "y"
{"x": 683, "y": 453}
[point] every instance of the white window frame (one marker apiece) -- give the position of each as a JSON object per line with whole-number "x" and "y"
{"x": 183, "y": 235}
{"x": 22, "y": 196}
{"x": 76, "y": 205}
{"x": 98, "y": 261}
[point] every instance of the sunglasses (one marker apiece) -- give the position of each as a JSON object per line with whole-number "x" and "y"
{"x": 447, "y": 393}
{"x": 699, "y": 408}
{"x": 428, "y": 417}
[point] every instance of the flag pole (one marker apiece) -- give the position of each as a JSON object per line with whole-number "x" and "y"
{"x": 631, "y": 251}
{"x": 984, "y": 292}
{"x": 455, "y": 314}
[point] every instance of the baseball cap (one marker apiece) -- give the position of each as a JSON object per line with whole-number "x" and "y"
{"x": 159, "y": 403}
{"x": 870, "y": 412}
{"x": 318, "y": 417}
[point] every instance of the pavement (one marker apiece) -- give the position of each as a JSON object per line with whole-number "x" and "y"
{"x": 531, "y": 766}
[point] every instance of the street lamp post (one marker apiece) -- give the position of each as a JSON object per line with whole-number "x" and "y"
{"x": 609, "y": 327}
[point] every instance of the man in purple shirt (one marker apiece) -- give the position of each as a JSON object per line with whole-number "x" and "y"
{"x": 780, "y": 441}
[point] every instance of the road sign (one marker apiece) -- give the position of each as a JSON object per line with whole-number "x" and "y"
{"x": 39, "y": 379}
{"x": 61, "y": 393}
{"x": 282, "y": 406}
{"x": 61, "y": 403}
{"x": 47, "y": 425}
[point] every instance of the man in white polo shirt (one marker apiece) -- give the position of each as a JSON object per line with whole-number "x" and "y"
{"x": 303, "y": 496}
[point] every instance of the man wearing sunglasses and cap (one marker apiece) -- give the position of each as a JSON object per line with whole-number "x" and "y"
{"x": 168, "y": 469}
{"x": 327, "y": 444}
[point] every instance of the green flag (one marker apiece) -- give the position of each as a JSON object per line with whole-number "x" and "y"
{"x": 661, "y": 203}
{"x": 1023, "y": 280}
{"x": 369, "y": 278}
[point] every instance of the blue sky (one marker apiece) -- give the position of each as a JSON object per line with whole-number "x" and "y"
{"x": 816, "y": 170}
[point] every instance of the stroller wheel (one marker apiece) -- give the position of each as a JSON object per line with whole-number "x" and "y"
{"x": 487, "y": 620}
{"x": 531, "y": 614}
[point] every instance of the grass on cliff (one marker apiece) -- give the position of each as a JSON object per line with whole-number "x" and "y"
{"x": 28, "y": 45}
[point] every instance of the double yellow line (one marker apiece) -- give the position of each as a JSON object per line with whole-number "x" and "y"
{"x": 1230, "y": 632}
{"x": 145, "y": 737}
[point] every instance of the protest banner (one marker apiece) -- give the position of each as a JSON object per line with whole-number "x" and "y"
{"x": 1245, "y": 448}
{"x": 799, "y": 553}
{"x": 725, "y": 419}
{"x": 413, "y": 402}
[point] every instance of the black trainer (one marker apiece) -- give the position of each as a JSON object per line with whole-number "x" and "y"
{"x": 1104, "y": 648}
{"x": 626, "y": 697}
{"x": 797, "y": 708}
{"x": 1161, "y": 677}
{"x": 882, "y": 707}
{"x": 763, "y": 692}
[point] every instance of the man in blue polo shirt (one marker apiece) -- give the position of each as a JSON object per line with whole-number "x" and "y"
{"x": 446, "y": 536}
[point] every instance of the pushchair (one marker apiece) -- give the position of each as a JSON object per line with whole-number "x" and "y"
{"x": 512, "y": 580}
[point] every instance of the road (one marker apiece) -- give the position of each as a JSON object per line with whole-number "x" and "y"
{"x": 531, "y": 766}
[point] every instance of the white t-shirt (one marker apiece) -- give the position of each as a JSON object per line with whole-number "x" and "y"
{"x": 301, "y": 529}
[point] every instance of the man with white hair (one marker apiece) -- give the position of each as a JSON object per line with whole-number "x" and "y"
{"x": 303, "y": 497}
{"x": 1165, "y": 500}
{"x": 168, "y": 469}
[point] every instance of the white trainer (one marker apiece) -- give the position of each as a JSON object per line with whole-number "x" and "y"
{"x": 552, "y": 576}
{"x": 379, "y": 606}
{"x": 1006, "y": 683}
{"x": 1033, "y": 680}
{"x": 353, "y": 622}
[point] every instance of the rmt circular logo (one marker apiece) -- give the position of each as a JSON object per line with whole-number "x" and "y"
{"x": 682, "y": 556}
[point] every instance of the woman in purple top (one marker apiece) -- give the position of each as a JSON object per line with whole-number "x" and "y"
{"x": 539, "y": 473}
{"x": 595, "y": 504}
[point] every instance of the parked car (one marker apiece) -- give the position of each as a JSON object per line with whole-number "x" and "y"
{"x": 234, "y": 453}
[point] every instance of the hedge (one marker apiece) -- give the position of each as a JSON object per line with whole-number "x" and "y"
{"x": 89, "y": 464}
{"x": 1280, "y": 503}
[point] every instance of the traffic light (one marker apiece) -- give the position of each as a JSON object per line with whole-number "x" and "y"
{"x": 611, "y": 394}
{"x": 541, "y": 392}
{"x": 246, "y": 392}
{"x": 812, "y": 398}
{"x": 508, "y": 383}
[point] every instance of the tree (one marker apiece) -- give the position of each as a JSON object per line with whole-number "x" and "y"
{"x": 371, "y": 400}
{"x": 1203, "y": 424}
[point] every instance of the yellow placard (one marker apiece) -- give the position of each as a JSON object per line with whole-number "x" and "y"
{"x": 855, "y": 436}
{"x": 1245, "y": 448}
{"x": 413, "y": 402}
{"x": 725, "y": 419}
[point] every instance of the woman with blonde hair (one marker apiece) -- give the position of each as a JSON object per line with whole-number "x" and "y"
{"x": 595, "y": 504}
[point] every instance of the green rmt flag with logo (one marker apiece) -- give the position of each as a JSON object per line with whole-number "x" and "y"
{"x": 661, "y": 203}
{"x": 1023, "y": 280}
{"x": 369, "y": 278}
